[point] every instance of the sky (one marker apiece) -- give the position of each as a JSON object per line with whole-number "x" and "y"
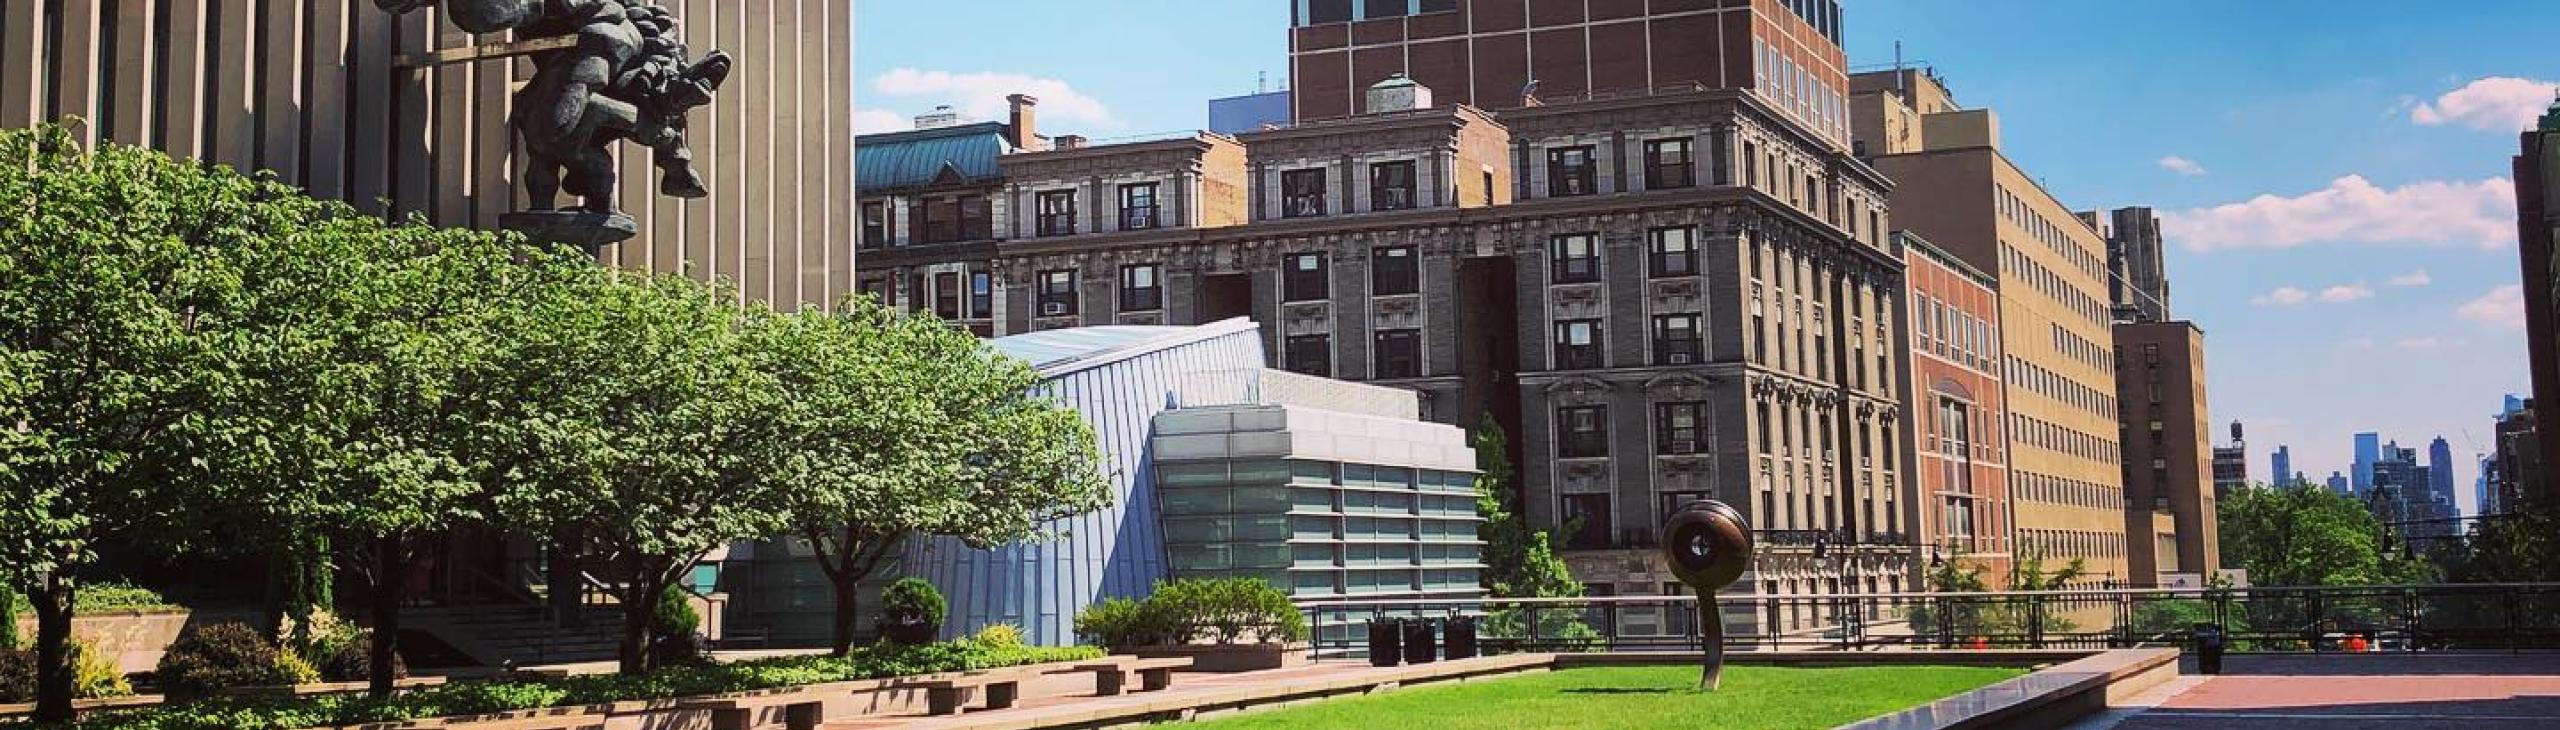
{"x": 2334, "y": 176}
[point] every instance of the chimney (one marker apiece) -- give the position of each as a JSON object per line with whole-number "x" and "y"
{"x": 1398, "y": 93}
{"x": 1024, "y": 124}
{"x": 1067, "y": 142}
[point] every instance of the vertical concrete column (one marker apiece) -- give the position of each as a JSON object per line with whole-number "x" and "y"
{"x": 77, "y": 91}
{"x": 280, "y": 50}
{"x": 137, "y": 71}
{"x": 235, "y": 101}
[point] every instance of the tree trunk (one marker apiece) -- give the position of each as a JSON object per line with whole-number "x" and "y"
{"x": 848, "y": 613}
{"x": 390, "y": 570}
{"x": 568, "y": 586}
{"x": 639, "y": 609}
{"x": 54, "y": 673}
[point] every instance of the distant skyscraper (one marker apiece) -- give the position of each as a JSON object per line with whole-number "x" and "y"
{"x": 2487, "y": 487}
{"x": 2338, "y": 483}
{"x": 2138, "y": 267}
{"x": 2368, "y": 451}
{"x": 2282, "y": 474}
{"x": 2440, "y": 471}
{"x": 2231, "y": 464}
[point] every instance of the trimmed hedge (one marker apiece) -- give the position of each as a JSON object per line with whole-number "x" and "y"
{"x": 1225, "y": 611}
{"x": 471, "y": 698}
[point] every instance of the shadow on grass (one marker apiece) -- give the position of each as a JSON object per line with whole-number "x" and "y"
{"x": 1624, "y": 691}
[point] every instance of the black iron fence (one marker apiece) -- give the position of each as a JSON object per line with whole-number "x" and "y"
{"x": 2486, "y": 617}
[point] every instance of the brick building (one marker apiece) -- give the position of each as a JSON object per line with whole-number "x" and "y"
{"x": 1960, "y": 472}
{"x": 2169, "y": 457}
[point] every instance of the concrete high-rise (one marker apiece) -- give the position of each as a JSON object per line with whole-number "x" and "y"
{"x": 2368, "y": 451}
{"x": 2172, "y": 472}
{"x": 2138, "y": 267}
{"x": 1499, "y": 54}
{"x": 2231, "y": 464}
{"x": 2538, "y": 232}
{"x": 2338, "y": 483}
{"x": 1957, "y": 188}
{"x": 2440, "y": 471}
{"x": 2281, "y": 462}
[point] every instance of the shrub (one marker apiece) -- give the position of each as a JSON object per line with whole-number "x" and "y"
{"x": 343, "y": 652}
{"x": 8, "y": 618}
{"x": 17, "y": 677}
{"x": 94, "y": 674}
{"x": 998, "y": 636}
{"x": 223, "y": 656}
{"x": 911, "y": 612}
{"x": 675, "y": 630}
{"x": 107, "y": 597}
{"x": 1225, "y": 610}
{"x": 1120, "y": 623}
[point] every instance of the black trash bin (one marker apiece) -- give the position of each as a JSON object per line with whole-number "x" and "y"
{"x": 1386, "y": 641}
{"x": 1421, "y": 646}
{"x": 2209, "y": 646}
{"x": 1460, "y": 636}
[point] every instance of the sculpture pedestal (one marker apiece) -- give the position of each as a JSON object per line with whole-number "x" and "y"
{"x": 583, "y": 229}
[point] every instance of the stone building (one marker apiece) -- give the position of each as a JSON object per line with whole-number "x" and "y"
{"x": 1659, "y": 297}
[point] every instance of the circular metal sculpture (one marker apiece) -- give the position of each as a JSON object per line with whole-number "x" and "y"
{"x": 1709, "y": 546}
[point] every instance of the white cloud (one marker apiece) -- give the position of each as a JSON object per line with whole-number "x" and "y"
{"x": 982, "y": 94}
{"x": 2283, "y": 296}
{"x": 2344, "y": 293}
{"x": 2503, "y": 307}
{"x": 2495, "y": 104}
{"x": 2414, "y": 278}
{"x": 2354, "y": 210}
{"x": 875, "y": 121}
{"x": 2181, "y": 165}
{"x": 2427, "y": 343}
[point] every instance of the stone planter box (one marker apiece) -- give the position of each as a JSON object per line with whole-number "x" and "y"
{"x": 1230, "y": 658}
{"x": 843, "y": 701}
{"x": 135, "y": 639}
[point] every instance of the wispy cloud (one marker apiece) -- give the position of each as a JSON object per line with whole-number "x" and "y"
{"x": 2182, "y": 166}
{"x": 2344, "y": 293}
{"x": 982, "y": 94}
{"x": 2283, "y": 296}
{"x": 2414, "y": 278}
{"x": 875, "y": 121}
{"x": 2494, "y": 104}
{"x": 2427, "y": 343}
{"x": 2501, "y": 307}
{"x": 2354, "y": 210}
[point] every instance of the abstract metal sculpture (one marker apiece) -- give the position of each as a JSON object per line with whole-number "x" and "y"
{"x": 604, "y": 71}
{"x": 1709, "y": 546}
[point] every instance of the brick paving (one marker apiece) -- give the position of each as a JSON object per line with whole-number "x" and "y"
{"x": 2475, "y": 692}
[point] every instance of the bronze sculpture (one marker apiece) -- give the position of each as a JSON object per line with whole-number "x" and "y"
{"x": 624, "y": 75}
{"x": 1708, "y": 544}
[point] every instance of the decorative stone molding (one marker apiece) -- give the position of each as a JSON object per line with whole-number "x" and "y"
{"x": 1583, "y": 476}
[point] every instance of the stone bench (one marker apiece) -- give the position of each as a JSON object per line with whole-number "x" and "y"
{"x": 946, "y": 695}
{"x": 799, "y": 712}
{"x": 1111, "y": 675}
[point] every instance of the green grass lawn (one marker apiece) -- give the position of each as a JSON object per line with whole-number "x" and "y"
{"x": 1753, "y": 698}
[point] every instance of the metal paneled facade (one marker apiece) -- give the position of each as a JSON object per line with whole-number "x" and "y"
{"x": 313, "y": 90}
{"x": 1114, "y": 552}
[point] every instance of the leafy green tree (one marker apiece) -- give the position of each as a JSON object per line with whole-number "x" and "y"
{"x": 1520, "y": 561}
{"x": 2522, "y": 546}
{"x": 904, "y": 426}
{"x": 2304, "y": 535}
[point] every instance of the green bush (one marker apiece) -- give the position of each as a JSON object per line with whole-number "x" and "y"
{"x": 95, "y": 674}
{"x": 1224, "y": 610}
{"x": 675, "y": 630}
{"x": 343, "y": 652}
{"x": 17, "y": 677}
{"x": 107, "y": 597}
{"x": 911, "y": 612}
{"x": 8, "y": 618}
{"x": 224, "y": 656}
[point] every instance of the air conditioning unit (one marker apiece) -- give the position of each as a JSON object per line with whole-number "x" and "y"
{"x": 1053, "y": 309}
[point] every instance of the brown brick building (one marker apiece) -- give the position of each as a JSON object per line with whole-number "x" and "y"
{"x": 2169, "y": 512}
{"x": 2529, "y": 466}
{"x": 1960, "y": 472}
{"x": 1486, "y": 53}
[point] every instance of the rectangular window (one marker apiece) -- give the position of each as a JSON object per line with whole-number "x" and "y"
{"x": 1667, "y": 164}
{"x": 1578, "y": 344}
{"x": 1575, "y": 258}
{"x": 1138, "y": 207}
{"x": 1302, "y": 193}
{"x": 1057, "y": 213}
{"x": 1141, "y": 288}
{"x": 1675, "y": 252}
{"x": 1391, "y": 186}
{"x": 977, "y": 218}
{"x": 937, "y": 220}
{"x": 875, "y": 224}
{"x": 1057, "y": 293}
{"x": 1310, "y": 355}
{"x": 1679, "y": 429}
{"x": 1571, "y": 172}
{"x": 1394, "y": 270}
{"x": 1399, "y": 354}
{"x": 1676, "y": 340}
{"x": 1586, "y": 521}
{"x": 946, "y": 296}
{"x": 982, "y": 295}
{"x": 1582, "y": 432}
{"x": 1305, "y": 278}
{"x": 1328, "y": 11}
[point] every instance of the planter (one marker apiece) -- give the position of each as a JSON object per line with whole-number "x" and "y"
{"x": 1229, "y": 658}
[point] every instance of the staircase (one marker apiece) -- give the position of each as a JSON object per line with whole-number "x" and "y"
{"x": 522, "y": 634}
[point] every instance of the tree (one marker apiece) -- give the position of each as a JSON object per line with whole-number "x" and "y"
{"x": 2304, "y": 535}
{"x": 1520, "y": 561}
{"x": 904, "y": 426}
{"x": 2522, "y": 546}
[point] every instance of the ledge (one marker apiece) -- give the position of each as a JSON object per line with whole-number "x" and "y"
{"x": 2049, "y": 698}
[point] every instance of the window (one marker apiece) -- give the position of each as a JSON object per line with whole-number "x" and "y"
{"x": 1676, "y": 340}
{"x": 1675, "y": 252}
{"x": 1391, "y": 186}
{"x": 946, "y": 295}
{"x": 1328, "y": 11}
{"x": 1586, "y": 518}
{"x": 1570, "y": 172}
{"x": 875, "y": 224}
{"x": 1399, "y": 354}
{"x": 1141, "y": 288}
{"x": 1575, "y": 258}
{"x": 1667, "y": 165}
{"x": 954, "y": 218}
{"x": 1302, "y": 193}
{"x": 1394, "y": 270}
{"x": 982, "y": 295}
{"x": 1057, "y": 293}
{"x": 1057, "y": 213}
{"x": 1679, "y": 429}
{"x": 1582, "y": 432}
{"x": 1304, "y": 278}
{"x": 1578, "y": 344}
{"x": 1310, "y": 355}
{"x": 1138, "y": 207}
{"x": 1375, "y": 9}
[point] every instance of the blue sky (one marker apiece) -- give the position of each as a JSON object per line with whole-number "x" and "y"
{"x": 2334, "y": 174}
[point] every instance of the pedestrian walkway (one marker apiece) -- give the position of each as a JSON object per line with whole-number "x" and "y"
{"x": 1200, "y": 690}
{"x": 2353, "y": 692}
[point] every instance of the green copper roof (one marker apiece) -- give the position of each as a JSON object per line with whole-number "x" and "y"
{"x": 900, "y": 160}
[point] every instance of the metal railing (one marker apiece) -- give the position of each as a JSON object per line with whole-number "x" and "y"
{"x": 2482, "y": 617}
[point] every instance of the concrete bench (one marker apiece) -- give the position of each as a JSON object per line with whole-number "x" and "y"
{"x": 946, "y": 695}
{"x": 1111, "y": 675}
{"x": 799, "y": 712}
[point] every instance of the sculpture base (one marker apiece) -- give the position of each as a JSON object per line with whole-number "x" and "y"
{"x": 583, "y": 229}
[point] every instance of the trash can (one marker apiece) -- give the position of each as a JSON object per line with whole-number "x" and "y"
{"x": 1460, "y": 636}
{"x": 1420, "y": 644}
{"x": 2209, "y": 645}
{"x": 1386, "y": 641}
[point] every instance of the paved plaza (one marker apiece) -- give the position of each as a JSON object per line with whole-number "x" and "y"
{"x": 2402, "y": 692}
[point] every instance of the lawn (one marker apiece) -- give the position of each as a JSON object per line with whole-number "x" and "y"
{"x": 1753, "y": 698}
